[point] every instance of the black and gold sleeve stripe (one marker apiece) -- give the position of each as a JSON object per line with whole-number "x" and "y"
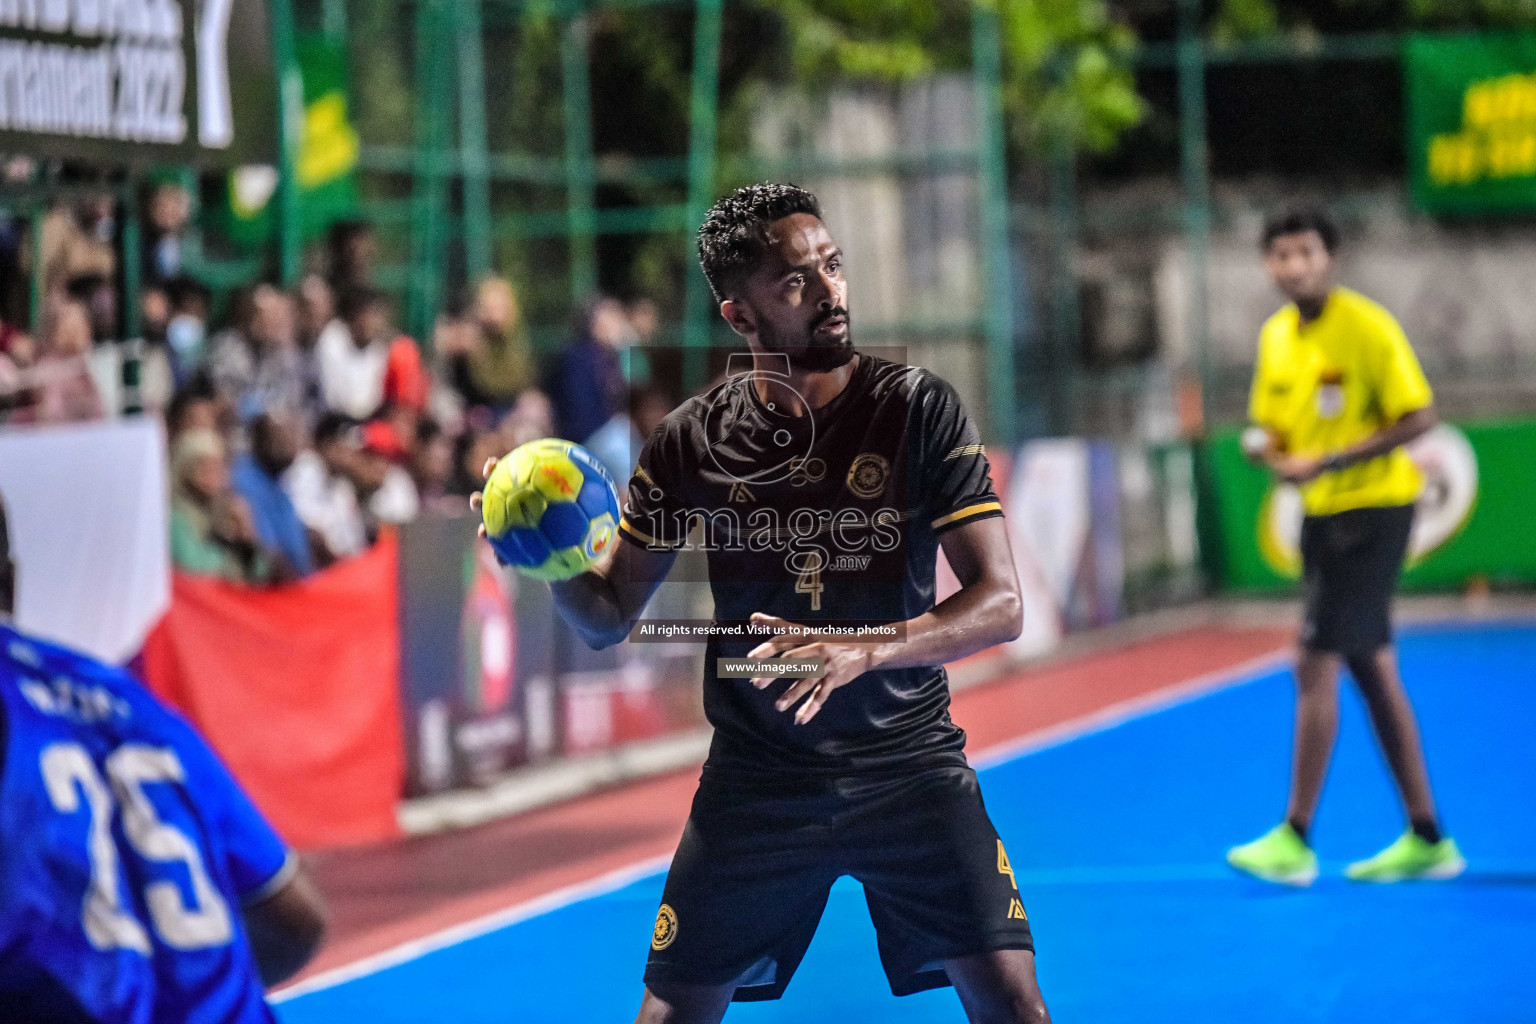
{"x": 970, "y": 513}
{"x": 638, "y": 536}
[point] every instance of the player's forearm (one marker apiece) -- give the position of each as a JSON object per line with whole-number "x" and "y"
{"x": 590, "y": 605}
{"x": 971, "y": 619}
{"x": 1407, "y": 428}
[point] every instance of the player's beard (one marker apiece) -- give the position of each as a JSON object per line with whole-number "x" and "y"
{"x": 814, "y": 353}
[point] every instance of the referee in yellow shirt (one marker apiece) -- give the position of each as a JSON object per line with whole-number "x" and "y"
{"x": 1336, "y": 394}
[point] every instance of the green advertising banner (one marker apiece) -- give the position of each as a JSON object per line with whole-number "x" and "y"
{"x": 1471, "y": 103}
{"x": 1476, "y": 518}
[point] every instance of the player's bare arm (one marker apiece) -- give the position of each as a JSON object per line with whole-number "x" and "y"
{"x": 1298, "y": 469}
{"x": 601, "y": 603}
{"x": 286, "y": 928}
{"x": 986, "y": 610}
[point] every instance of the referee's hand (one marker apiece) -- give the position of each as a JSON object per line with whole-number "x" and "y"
{"x": 843, "y": 661}
{"x": 1296, "y": 469}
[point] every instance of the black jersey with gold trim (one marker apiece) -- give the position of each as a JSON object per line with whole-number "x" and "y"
{"x": 833, "y": 515}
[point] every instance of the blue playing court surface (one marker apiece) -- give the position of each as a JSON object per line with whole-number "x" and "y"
{"x": 1117, "y": 840}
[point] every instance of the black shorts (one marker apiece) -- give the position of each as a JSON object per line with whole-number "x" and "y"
{"x": 757, "y": 859}
{"x": 1350, "y": 565}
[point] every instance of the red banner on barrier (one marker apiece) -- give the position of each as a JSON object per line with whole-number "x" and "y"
{"x": 298, "y": 689}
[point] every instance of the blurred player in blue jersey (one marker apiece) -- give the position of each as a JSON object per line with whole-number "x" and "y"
{"x": 138, "y": 884}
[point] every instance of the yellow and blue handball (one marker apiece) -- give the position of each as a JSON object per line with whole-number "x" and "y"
{"x": 550, "y": 509}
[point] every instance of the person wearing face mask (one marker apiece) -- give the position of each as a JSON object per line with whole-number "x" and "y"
{"x": 186, "y": 333}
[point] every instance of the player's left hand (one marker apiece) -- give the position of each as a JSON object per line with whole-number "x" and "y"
{"x": 1296, "y": 469}
{"x": 843, "y": 661}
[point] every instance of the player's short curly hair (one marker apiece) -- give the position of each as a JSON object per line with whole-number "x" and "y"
{"x": 1299, "y": 221}
{"x": 735, "y": 231}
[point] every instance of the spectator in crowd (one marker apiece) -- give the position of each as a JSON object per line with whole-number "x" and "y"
{"x": 470, "y": 453}
{"x": 17, "y": 353}
{"x": 383, "y": 485}
{"x": 617, "y": 443}
{"x": 77, "y": 241}
{"x": 257, "y": 476}
{"x": 587, "y": 385}
{"x": 431, "y": 468}
{"x": 258, "y": 366}
{"x": 320, "y": 485}
{"x": 154, "y": 312}
{"x": 168, "y": 209}
{"x": 212, "y": 533}
{"x": 194, "y": 406}
{"x": 97, "y": 294}
{"x": 532, "y": 417}
{"x": 317, "y": 309}
{"x": 60, "y": 384}
{"x": 490, "y": 363}
{"x": 352, "y": 361}
{"x": 186, "y": 332}
{"x": 353, "y": 250}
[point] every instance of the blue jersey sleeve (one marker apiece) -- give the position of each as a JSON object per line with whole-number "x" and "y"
{"x": 257, "y": 860}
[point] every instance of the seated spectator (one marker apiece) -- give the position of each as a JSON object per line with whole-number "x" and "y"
{"x": 617, "y": 442}
{"x": 256, "y": 365}
{"x": 257, "y": 476}
{"x": 320, "y": 485}
{"x": 492, "y": 365}
{"x": 194, "y": 406}
{"x": 352, "y": 249}
{"x": 470, "y": 453}
{"x": 186, "y": 333}
{"x": 587, "y": 386}
{"x": 383, "y": 485}
{"x": 169, "y": 210}
{"x": 77, "y": 240}
{"x": 17, "y": 353}
{"x": 431, "y": 468}
{"x": 352, "y": 360}
{"x": 61, "y": 387}
{"x": 532, "y": 417}
{"x": 211, "y": 529}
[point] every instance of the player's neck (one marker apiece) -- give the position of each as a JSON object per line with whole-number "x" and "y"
{"x": 804, "y": 390}
{"x": 1311, "y": 308}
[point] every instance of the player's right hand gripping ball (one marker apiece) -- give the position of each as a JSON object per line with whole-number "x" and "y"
{"x": 550, "y": 509}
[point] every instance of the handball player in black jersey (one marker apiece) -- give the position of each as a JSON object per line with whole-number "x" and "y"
{"x": 823, "y": 482}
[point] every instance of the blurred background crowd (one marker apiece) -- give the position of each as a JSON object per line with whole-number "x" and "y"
{"x": 302, "y": 421}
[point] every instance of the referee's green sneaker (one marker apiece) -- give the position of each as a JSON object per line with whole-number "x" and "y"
{"x": 1279, "y": 855}
{"x": 1410, "y": 857}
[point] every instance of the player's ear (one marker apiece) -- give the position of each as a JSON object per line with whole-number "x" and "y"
{"x": 738, "y": 317}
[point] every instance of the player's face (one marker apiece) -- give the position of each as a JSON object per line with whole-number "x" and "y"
{"x": 1301, "y": 266}
{"x": 797, "y": 299}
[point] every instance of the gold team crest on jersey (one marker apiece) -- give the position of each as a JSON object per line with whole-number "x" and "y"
{"x": 868, "y": 475}
{"x": 666, "y": 928}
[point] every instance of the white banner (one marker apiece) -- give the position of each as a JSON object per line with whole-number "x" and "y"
{"x": 89, "y": 532}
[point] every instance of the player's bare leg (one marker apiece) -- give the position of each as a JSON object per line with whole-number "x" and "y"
{"x": 1396, "y": 728}
{"x": 684, "y": 1004}
{"x": 1317, "y": 726}
{"x": 998, "y": 987}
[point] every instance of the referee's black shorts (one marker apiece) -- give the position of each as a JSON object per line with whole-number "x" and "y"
{"x": 757, "y": 860}
{"x": 1351, "y": 562}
